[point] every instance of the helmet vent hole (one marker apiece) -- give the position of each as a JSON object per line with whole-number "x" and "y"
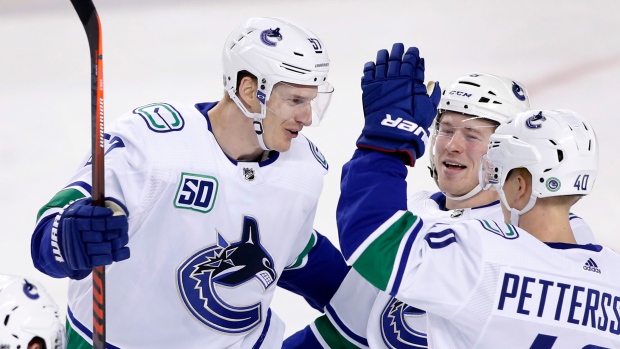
{"x": 590, "y": 145}
{"x": 547, "y": 170}
{"x": 492, "y": 93}
{"x": 560, "y": 155}
{"x": 469, "y": 83}
{"x": 483, "y": 100}
{"x": 6, "y": 319}
{"x": 295, "y": 69}
{"x": 496, "y": 102}
{"x": 542, "y": 180}
{"x": 298, "y": 54}
{"x": 585, "y": 126}
{"x": 465, "y": 106}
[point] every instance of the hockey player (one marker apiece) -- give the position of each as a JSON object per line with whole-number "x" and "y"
{"x": 469, "y": 111}
{"x": 484, "y": 284}
{"x": 29, "y": 316}
{"x": 215, "y": 200}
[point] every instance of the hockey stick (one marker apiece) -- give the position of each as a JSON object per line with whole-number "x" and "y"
{"x": 90, "y": 20}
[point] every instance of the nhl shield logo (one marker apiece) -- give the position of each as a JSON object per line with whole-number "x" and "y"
{"x": 248, "y": 174}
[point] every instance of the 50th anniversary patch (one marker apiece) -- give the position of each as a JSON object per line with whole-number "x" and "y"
{"x": 196, "y": 192}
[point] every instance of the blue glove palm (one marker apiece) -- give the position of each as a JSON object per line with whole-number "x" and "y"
{"x": 397, "y": 106}
{"x": 90, "y": 236}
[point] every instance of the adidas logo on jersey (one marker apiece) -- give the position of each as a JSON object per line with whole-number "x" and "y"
{"x": 591, "y": 266}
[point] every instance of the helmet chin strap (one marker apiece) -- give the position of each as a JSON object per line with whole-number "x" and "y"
{"x": 514, "y": 213}
{"x": 473, "y": 192}
{"x": 258, "y": 118}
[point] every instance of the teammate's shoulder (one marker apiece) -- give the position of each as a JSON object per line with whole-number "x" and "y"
{"x": 488, "y": 229}
{"x": 303, "y": 148}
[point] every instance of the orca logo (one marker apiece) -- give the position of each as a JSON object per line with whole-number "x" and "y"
{"x": 518, "y": 91}
{"x": 227, "y": 265}
{"x": 395, "y": 329}
{"x": 535, "y": 121}
{"x": 267, "y": 35}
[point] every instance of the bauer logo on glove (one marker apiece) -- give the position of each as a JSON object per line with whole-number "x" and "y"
{"x": 398, "y": 106}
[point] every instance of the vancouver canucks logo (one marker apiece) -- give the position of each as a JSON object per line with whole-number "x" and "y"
{"x": 396, "y": 331}
{"x": 318, "y": 155}
{"x": 228, "y": 265}
{"x": 535, "y": 121}
{"x": 518, "y": 91}
{"x": 553, "y": 184}
{"x": 30, "y": 290}
{"x": 267, "y": 36}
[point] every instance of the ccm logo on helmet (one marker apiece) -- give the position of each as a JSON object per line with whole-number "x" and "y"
{"x": 460, "y": 93}
{"x": 405, "y": 125}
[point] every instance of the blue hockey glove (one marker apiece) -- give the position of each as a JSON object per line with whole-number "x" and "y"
{"x": 90, "y": 236}
{"x": 398, "y": 107}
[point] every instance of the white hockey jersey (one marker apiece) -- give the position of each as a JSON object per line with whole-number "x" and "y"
{"x": 209, "y": 236}
{"x": 483, "y": 284}
{"x": 375, "y": 319}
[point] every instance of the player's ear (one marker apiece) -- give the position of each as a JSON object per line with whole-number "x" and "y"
{"x": 524, "y": 186}
{"x": 247, "y": 93}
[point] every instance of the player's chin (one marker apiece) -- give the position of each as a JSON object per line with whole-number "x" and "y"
{"x": 282, "y": 145}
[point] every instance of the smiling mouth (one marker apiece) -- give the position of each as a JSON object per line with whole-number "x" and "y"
{"x": 452, "y": 165}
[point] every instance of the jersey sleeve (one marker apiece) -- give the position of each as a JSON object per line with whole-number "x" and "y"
{"x": 317, "y": 272}
{"x": 125, "y": 172}
{"x": 433, "y": 267}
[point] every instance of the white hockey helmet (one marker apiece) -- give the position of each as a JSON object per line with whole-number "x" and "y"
{"x": 480, "y": 95}
{"x": 558, "y": 148}
{"x": 276, "y": 50}
{"x": 27, "y": 311}
{"x": 485, "y": 96}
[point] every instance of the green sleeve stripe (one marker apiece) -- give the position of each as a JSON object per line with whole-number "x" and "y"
{"x": 300, "y": 259}
{"x": 376, "y": 262}
{"x": 330, "y": 334}
{"x": 62, "y": 198}
{"x": 74, "y": 340}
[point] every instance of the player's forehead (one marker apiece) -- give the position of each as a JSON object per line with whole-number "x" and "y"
{"x": 295, "y": 89}
{"x": 454, "y": 119}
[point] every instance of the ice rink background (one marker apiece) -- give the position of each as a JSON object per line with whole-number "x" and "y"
{"x": 567, "y": 53}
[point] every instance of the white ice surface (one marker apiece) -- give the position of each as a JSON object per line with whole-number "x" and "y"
{"x": 566, "y": 52}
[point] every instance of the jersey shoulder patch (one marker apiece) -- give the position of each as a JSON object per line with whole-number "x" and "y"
{"x": 507, "y": 231}
{"x": 161, "y": 117}
{"x": 318, "y": 155}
